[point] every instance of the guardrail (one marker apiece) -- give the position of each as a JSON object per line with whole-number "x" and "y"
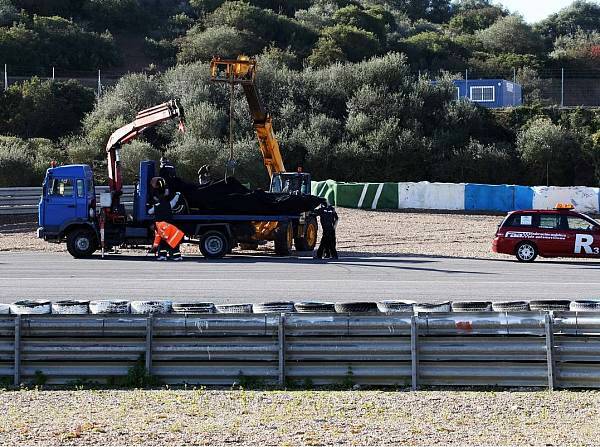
{"x": 491, "y": 349}
{"x": 24, "y": 201}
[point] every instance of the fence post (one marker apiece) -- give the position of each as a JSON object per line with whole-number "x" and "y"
{"x": 549, "y": 326}
{"x": 282, "y": 348}
{"x": 17, "y": 365}
{"x": 5, "y": 77}
{"x": 562, "y": 87}
{"x": 149, "y": 327}
{"x": 414, "y": 352}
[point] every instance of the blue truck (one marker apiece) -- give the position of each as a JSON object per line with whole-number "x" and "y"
{"x": 69, "y": 212}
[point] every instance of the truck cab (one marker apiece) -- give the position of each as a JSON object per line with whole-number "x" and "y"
{"x": 67, "y": 208}
{"x": 291, "y": 183}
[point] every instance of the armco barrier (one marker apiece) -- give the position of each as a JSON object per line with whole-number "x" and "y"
{"x": 24, "y": 201}
{"x": 455, "y": 196}
{"x": 489, "y": 349}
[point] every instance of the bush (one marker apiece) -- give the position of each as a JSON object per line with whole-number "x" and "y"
{"x": 356, "y": 44}
{"x": 16, "y": 163}
{"x": 224, "y": 41}
{"x": 510, "y": 35}
{"x": 47, "y": 109}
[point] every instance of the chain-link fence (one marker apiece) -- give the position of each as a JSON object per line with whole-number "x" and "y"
{"x": 561, "y": 87}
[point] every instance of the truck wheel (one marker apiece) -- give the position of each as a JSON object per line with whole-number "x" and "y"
{"x": 308, "y": 241}
{"x": 284, "y": 239}
{"x": 526, "y": 252}
{"x": 81, "y": 243}
{"x": 214, "y": 244}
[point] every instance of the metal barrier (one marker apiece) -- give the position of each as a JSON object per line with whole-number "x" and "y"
{"x": 25, "y": 201}
{"x": 489, "y": 349}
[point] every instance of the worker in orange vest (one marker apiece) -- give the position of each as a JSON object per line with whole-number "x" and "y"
{"x": 167, "y": 237}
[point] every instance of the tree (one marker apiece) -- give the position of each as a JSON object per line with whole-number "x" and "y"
{"x": 8, "y": 13}
{"x": 355, "y": 43}
{"x": 64, "y": 8}
{"x": 510, "y": 35}
{"x": 224, "y": 41}
{"x": 473, "y": 16}
{"x": 352, "y": 15}
{"x": 326, "y": 52}
{"x": 580, "y": 15}
{"x": 578, "y": 50}
{"x": 437, "y": 11}
{"x": 551, "y": 152}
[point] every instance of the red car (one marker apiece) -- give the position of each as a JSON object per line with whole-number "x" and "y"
{"x": 548, "y": 233}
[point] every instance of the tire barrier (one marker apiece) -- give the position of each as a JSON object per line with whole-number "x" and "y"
{"x": 471, "y": 306}
{"x": 314, "y": 307}
{"x": 109, "y": 307}
{"x": 151, "y": 307}
{"x": 194, "y": 308}
{"x": 445, "y": 306}
{"x": 510, "y": 306}
{"x": 390, "y": 306}
{"x": 455, "y": 196}
{"x": 498, "y": 349}
{"x": 585, "y": 306}
{"x": 272, "y": 307}
{"x": 245, "y": 308}
{"x": 545, "y": 305}
{"x": 27, "y": 307}
{"x": 71, "y": 307}
{"x": 358, "y": 306}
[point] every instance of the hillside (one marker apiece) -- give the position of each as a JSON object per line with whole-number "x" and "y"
{"x": 348, "y": 83}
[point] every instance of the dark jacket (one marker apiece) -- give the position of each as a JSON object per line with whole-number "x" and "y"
{"x": 329, "y": 218}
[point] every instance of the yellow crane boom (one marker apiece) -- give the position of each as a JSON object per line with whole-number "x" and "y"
{"x": 242, "y": 71}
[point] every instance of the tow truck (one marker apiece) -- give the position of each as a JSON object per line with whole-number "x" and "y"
{"x": 68, "y": 212}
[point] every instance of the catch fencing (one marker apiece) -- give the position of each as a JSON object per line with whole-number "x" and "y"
{"x": 554, "y": 350}
{"x": 456, "y": 196}
{"x": 25, "y": 201}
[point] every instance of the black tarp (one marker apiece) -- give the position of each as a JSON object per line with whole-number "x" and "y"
{"x": 231, "y": 197}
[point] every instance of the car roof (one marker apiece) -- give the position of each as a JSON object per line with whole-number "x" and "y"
{"x": 565, "y": 211}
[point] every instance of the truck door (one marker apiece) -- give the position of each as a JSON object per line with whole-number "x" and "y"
{"x": 60, "y": 202}
{"x": 583, "y": 237}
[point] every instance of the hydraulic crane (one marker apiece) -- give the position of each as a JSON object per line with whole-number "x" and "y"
{"x": 242, "y": 71}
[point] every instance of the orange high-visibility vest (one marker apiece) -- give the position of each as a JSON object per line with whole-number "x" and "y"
{"x": 169, "y": 233}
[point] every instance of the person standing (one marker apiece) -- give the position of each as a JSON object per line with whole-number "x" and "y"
{"x": 329, "y": 220}
{"x": 167, "y": 237}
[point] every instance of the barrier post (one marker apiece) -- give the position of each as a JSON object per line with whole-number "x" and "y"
{"x": 414, "y": 352}
{"x": 549, "y": 326}
{"x": 149, "y": 327}
{"x": 17, "y": 365}
{"x": 281, "y": 350}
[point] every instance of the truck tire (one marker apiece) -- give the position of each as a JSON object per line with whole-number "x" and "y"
{"x": 308, "y": 240}
{"x": 284, "y": 238}
{"x": 214, "y": 244}
{"x": 81, "y": 243}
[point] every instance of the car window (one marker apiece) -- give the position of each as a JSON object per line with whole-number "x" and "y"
{"x": 62, "y": 187}
{"x": 549, "y": 221}
{"x": 519, "y": 220}
{"x": 577, "y": 223}
{"x": 80, "y": 189}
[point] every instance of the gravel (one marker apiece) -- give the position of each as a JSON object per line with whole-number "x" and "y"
{"x": 218, "y": 417}
{"x": 364, "y": 233}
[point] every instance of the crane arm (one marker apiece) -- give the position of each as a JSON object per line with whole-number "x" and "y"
{"x": 145, "y": 119}
{"x": 243, "y": 71}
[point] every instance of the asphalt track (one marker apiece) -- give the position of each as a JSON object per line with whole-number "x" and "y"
{"x": 30, "y": 275}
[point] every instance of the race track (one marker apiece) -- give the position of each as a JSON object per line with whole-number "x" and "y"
{"x": 31, "y": 275}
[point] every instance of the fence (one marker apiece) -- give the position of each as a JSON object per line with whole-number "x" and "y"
{"x": 455, "y": 196}
{"x": 489, "y": 349}
{"x": 25, "y": 201}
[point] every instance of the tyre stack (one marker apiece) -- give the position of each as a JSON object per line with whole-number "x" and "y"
{"x": 585, "y": 306}
{"x": 71, "y": 307}
{"x": 29, "y": 307}
{"x": 356, "y": 307}
{"x": 392, "y": 306}
{"x": 194, "y": 308}
{"x": 471, "y": 306}
{"x": 314, "y": 307}
{"x": 151, "y": 307}
{"x": 109, "y": 307}
{"x": 510, "y": 306}
{"x": 273, "y": 307}
{"x": 245, "y": 308}
{"x": 444, "y": 306}
{"x": 548, "y": 305}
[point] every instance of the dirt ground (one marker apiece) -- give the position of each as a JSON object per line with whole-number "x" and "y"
{"x": 359, "y": 232}
{"x": 238, "y": 417}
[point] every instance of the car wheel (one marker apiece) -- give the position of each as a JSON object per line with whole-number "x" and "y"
{"x": 214, "y": 244}
{"x": 526, "y": 252}
{"x": 81, "y": 243}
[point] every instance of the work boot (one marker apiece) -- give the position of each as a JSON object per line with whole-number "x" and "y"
{"x": 161, "y": 258}
{"x": 177, "y": 258}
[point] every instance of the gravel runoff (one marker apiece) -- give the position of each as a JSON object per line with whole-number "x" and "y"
{"x": 217, "y": 417}
{"x": 364, "y": 233}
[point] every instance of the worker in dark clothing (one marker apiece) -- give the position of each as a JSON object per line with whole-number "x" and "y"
{"x": 167, "y": 169}
{"x": 204, "y": 177}
{"x": 168, "y": 237}
{"x": 329, "y": 220}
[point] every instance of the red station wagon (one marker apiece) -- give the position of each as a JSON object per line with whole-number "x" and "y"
{"x": 548, "y": 233}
